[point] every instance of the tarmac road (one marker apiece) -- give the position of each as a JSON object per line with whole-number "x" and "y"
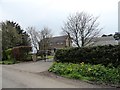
{"x": 25, "y": 75}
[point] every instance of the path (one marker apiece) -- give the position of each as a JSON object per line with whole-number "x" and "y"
{"x": 26, "y": 75}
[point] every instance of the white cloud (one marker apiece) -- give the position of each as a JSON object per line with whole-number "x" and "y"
{"x": 53, "y": 12}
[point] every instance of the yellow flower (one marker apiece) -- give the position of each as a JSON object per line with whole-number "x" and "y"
{"x": 89, "y": 69}
{"x": 82, "y": 63}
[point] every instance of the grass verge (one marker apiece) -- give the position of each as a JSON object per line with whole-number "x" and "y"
{"x": 8, "y": 62}
{"x": 50, "y": 57}
{"x": 87, "y": 72}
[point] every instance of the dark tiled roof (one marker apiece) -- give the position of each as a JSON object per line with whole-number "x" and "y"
{"x": 58, "y": 39}
{"x": 105, "y": 40}
{"x": 109, "y": 38}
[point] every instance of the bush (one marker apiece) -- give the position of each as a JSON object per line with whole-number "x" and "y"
{"x": 4, "y": 56}
{"x": 94, "y": 55}
{"x": 87, "y": 72}
{"x": 8, "y": 53}
{"x": 21, "y": 53}
{"x": 7, "y": 57}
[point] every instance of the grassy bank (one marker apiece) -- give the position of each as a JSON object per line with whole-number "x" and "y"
{"x": 48, "y": 57}
{"x": 7, "y": 62}
{"x": 87, "y": 72}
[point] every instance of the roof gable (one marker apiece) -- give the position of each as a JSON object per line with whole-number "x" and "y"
{"x": 58, "y": 39}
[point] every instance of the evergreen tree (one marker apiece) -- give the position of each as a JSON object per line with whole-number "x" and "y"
{"x": 13, "y": 35}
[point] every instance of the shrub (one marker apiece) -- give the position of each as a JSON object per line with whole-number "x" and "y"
{"x": 7, "y": 57}
{"x": 87, "y": 72}
{"x": 21, "y": 53}
{"x": 94, "y": 55}
{"x": 8, "y": 53}
{"x": 4, "y": 56}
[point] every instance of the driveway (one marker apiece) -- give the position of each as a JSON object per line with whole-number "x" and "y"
{"x": 33, "y": 67}
{"x": 29, "y": 75}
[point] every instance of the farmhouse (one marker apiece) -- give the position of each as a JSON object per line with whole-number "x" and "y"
{"x": 57, "y": 42}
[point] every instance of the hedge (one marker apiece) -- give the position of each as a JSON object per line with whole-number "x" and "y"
{"x": 20, "y": 53}
{"x": 105, "y": 55}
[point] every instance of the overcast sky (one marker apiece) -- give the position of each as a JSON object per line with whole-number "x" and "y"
{"x": 52, "y": 13}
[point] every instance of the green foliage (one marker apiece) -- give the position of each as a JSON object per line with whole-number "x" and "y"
{"x": 13, "y": 35}
{"x": 15, "y": 54}
{"x": 0, "y": 62}
{"x": 94, "y": 55}
{"x": 4, "y": 56}
{"x": 8, "y": 53}
{"x": 6, "y": 62}
{"x": 21, "y": 53}
{"x": 87, "y": 72}
{"x": 8, "y": 57}
{"x": 50, "y": 57}
{"x": 10, "y": 37}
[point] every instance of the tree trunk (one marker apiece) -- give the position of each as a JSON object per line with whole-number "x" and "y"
{"x": 82, "y": 41}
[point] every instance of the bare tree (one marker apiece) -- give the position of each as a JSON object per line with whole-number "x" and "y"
{"x": 45, "y": 34}
{"x": 35, "y": 37}
{"x": 82, "y": 27}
